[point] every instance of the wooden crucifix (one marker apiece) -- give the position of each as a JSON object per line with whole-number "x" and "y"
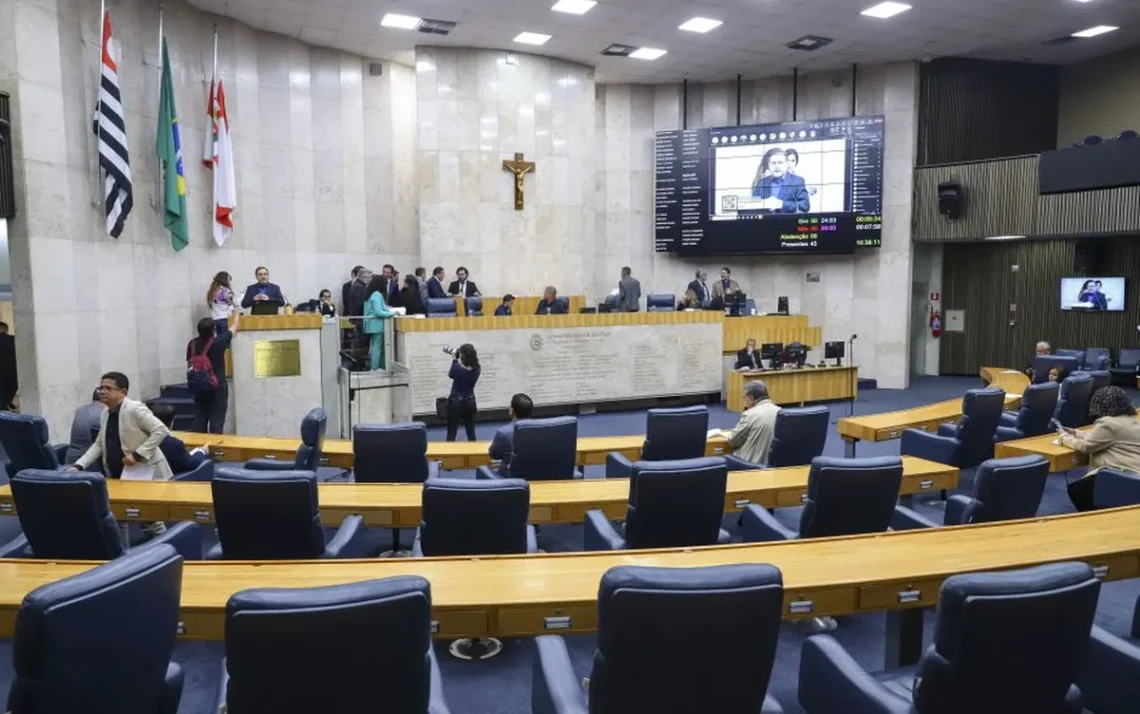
{"x": 519, "y": 168}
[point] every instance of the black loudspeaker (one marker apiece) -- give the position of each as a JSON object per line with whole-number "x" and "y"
{"x": 951, "y": 199}
{"x": 1088, "y": 257}
{"x": 782, "y": 305}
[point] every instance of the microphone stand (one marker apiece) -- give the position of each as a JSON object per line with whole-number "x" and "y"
{"x": 851, "y": 363}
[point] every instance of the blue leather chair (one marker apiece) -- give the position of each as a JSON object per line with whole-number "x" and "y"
{"x": 67, "y": 516}
{"x": 611, "y": 302}
{"x": 1116, "y": 488}
{"x": 466, "y": 517}
{"x": 967, "y": 443}
{"x": 1078, "y": 354}
{"x": 844, "y": 497}
{"x": 661, "y": 302}
{"x": 276, "y": 516}
{"x": 1110, "y": 681}
{"x": 1073, "y": 400}
{"x": 1127, "y": 366}
{"x": 672, "y": 504}
{"x": 308, "y": 456}
{"x": 542, "y": 450}
{"x": 101, "y": 641}
{"x": 1004, "y": 490}
{"x": 1127, "y": 135}
{"x": 441, "y": 307}
{"x": 670, "y": 434}
{"x": 1096, "y": 359}
{"x": 25, "y": 441}
{"x": 727, "y": 617}
{"x": 342, "y": 648}
{"x": 1043, "y": 363}
{"x": 1004, "y": 642}
{"x": 565, "y": 302}
{"x": 1038, "y": 402}
{"x": 799, "y": 437}
{"x": 473, "y": 306}
{"x": 391, "y": 453}
{"x": 1100, "y": 378}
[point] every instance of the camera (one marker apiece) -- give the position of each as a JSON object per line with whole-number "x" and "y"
{"x": 449, "y": 350}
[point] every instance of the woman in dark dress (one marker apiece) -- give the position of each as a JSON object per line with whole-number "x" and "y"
{"x": 461, "y": 405}
{"x": 410, "y": 296}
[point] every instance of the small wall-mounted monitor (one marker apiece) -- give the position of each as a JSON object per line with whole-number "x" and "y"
{"x": 1092, "y": 294}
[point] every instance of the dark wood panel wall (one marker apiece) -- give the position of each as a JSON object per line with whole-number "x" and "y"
{"x": 982, "y": 109}
{"x": 978, "y": 278}
{"x": 7, "y": 191}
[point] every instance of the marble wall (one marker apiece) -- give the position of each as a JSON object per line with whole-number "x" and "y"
{"x": 868, "y": 294}
{"x": 325, "y": 170}
{"x": 476, "y": 108}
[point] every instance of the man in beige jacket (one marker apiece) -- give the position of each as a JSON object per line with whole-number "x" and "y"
{"x": 129, "y": 433}
{"x": 751, "y": 439}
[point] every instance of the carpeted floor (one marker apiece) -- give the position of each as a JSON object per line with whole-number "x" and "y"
{"x": 502, "y": 685}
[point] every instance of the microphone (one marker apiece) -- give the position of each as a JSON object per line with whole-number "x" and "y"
{"x": 854, "y": 337}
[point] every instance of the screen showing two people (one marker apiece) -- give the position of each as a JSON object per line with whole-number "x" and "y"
{"x": 1092, "y": 294}
{"x": 798, "y": 187}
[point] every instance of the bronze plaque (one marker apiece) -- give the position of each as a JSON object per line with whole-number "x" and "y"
{"x": 277, "y": 358}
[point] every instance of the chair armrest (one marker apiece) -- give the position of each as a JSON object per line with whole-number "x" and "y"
{"x": 9, "y": 470}
{"x": 600, "y": 534}
{"x": 1110, "y": 680}
{"x": 1008, "y": 419}
{"x": 171, "y": 692}
{"x": 202, "y": 472}
{"x": 555, "y": 688}
{"x": 531, "y": 539}
{"x": 349, "y": 539}
{"x": 832, "y": 681}
{"x": 735, "y": 463}
{"x": 956, "y": 507}
{"x": 906, "y": 519}
{"x": 215, "y": 552}
{"x": 185, "y": 536}
{"x": 60, "y": 451}
{"x": 270, "y": 465}
{"x": 950, "y": 429}
{"x": 1114, "y": 488}
{"x": 928, "y": 446}
{"x": 1007, "y": 433}
{"x": 15, "y": 548}
{"x": 618, "y": 466}
{"x": 760, "y": 526}
{"x": 486, "y": 473}
{"x": 724, "y": 537}
{"x": 436, "y": 702}
{"x": 433, "y": 468}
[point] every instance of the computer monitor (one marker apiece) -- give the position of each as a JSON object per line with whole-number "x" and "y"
{"x": 265, "y": 307}
{"x": 782, "y": 305}
{"x": 796, "y": 353}
{"x": 734, "y": 304}
{"x": 834, "y": 350}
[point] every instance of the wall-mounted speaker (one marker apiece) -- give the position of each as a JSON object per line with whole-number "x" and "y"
{"x": 1088, "y": 257}
{"x": 375, "y": 69}
{"x": 951, "y": 199}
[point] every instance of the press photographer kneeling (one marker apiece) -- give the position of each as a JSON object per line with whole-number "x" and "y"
{"x": 461, "y": 402}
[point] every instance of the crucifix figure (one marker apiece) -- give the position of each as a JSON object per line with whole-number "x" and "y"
{"x": 519, "y": 168}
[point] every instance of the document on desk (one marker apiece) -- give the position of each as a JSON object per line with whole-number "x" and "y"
{"x": 138, "y": 472}
{"x": 717, "y": 434}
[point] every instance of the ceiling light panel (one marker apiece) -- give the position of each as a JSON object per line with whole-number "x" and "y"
{"x": 646, "y": 53}
{"x": 400, "y": 22}
{"x": 532, "y": 38}
{"x": 1094, "y": 31}
{"x": 885, "y": 10}
{"x": 574, "y": 7}
{"x": 700, "y": 24}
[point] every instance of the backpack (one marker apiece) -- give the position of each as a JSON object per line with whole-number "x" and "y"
{"x": 200, "y": 375}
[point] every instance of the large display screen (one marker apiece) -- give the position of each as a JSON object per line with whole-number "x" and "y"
{"x": 1092, "y": 294}
{"x": 799, "y": 187}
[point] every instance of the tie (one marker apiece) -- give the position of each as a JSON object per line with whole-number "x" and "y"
{"x": 463, "y": 289}
{"x": 705, "y": 290}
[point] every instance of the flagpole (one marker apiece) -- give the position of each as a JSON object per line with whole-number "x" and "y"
{"x": 98, "y": 100}
{"x": 214, "y": 76}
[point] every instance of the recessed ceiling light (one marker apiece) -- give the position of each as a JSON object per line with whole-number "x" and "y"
{"x": 885, "y": 9}
{"x": 1094, "y": 31}
{"x": 646, "y": 53}
{"x": 401, "y": 22}
{"x": 532, "y": 38}
{"x": 700, "y": 24}
{"x": 574, "y": 7}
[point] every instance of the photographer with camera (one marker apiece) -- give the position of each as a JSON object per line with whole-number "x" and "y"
{"x": 461, "y": 402}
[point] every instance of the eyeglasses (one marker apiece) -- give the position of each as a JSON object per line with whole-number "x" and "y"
{"x": 105, "y": 388}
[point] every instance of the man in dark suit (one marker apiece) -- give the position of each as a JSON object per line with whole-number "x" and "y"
{"x": 629, "y": 292}
{"x": 748, "y": 358}
{"x": 550, "y": 305}
{"x": 503, "y": 444}
{"x": 435, "y": 284}
{"x": 8, "y": 381}
{"x": 461, "y": 285}
{"x": 700, "y": 288}
{"x": 390, "y": 285}
{"x": 347, "y": 288}
{"x": 782, "y": 192}
{"x": 506, "y": 307}
{"x": 179, "y": 458}
{"x": 263, "y": 290}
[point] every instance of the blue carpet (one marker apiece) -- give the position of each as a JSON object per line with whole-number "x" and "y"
{"x": 502, "y": 685}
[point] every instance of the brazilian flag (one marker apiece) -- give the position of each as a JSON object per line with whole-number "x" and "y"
{"x": 168, "y": 146}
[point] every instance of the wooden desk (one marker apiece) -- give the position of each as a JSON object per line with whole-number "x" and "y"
{"x": 796, "y": 386}
{"x": 517, "y": 596}
{"x": 524, "y": 304}
{"x": 592, "y": 450}
{"x": 784, "y": 329}
{"x": 1061, "y": 458}
{"x": 398, "y": 504}
{"x": 890, "y": 425}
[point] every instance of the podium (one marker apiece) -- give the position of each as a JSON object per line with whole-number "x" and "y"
{"x": 283, "y": 366}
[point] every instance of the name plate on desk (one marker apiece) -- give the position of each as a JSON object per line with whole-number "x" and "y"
{"x": 276, "y": 358}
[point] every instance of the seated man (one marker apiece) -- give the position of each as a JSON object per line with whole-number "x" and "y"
{"x": 503, "y": 443}
{"x": 748, "y": 358}
{"x": 1041, "y": 351}
{"x": 548, "y": 305}
{"x": 751, "y": 439}
{"x": 173, "y": 449}
{"x": 83, "y": 425}
{"x": 506, "y": 307}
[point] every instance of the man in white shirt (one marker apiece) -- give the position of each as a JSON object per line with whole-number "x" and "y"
{"x": 751, "y": 439}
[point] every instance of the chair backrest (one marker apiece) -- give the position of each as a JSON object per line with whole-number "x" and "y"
{"x": 99, "y": 641}
{"x": 799, "y": 436}
{"x": 1005, "y": 489}
{"x": 1043, "y": 363}
{"x": 25, "y": 440}
{"x": 679, "y": 433}
{"x": 1038, "y": 402}
{"x": 564, "y": 301}
{"x": 66, "y": 515}
{"x": 390, "y": 453}
{"x": 1073, "y": 400}
{"x": 469, "y": 517}
{"x": 330, "y": 649}
{"x": 1009, "y": 641}
{"x": 268, "y": 515}
{"x": 1127, "y": 358}
{"x": 473, "y": 306}
{"x": 312, "y": 440}
{"x": 441, "y": 307}
{"x": 981, "y": 415}
{"x": 675, "y": 503}
{"x": 1096, "y": 358}
{"x": 660, "y": 302}
{"x": 1079, "y": 354}
{"x": 850, "y": 496}
{"x": 725, "y": 618}
{"x": 545, "y": 449}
